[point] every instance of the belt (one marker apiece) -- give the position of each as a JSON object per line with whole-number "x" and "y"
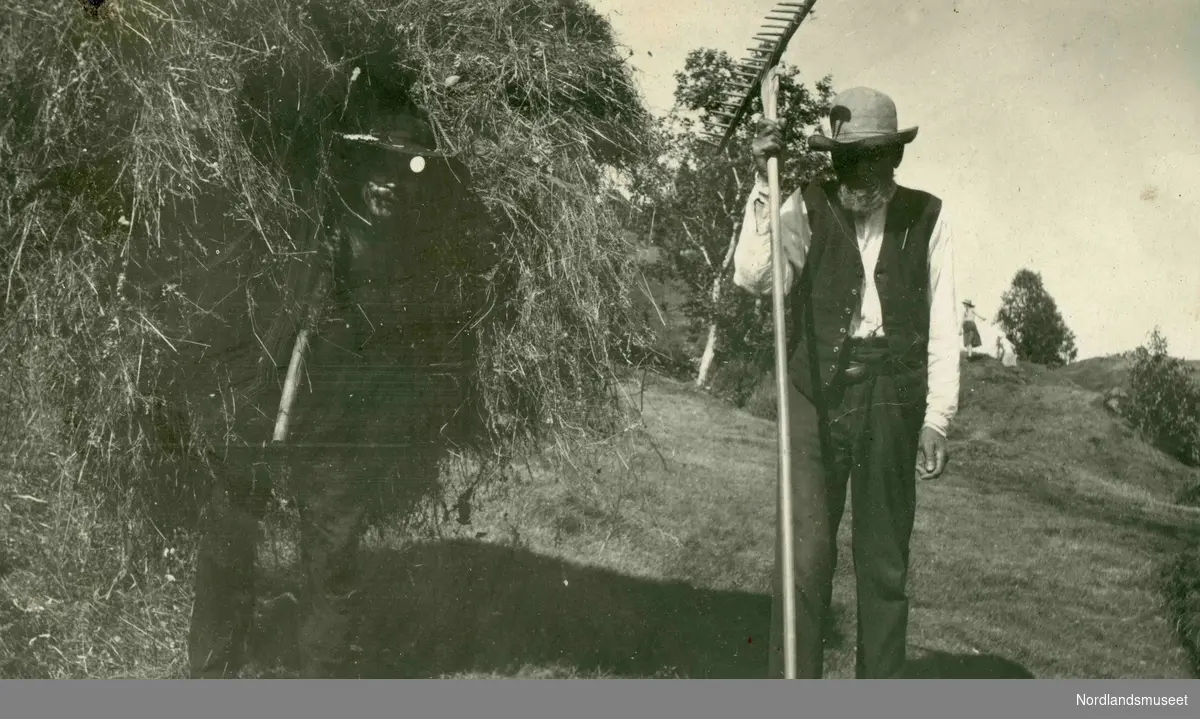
{"x": 866, "y": 358}
{"x": 877, "y": 343}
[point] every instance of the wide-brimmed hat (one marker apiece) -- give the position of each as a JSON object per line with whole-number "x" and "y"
{"x": 862, "y": 118}
{"x": 969, "y": 303}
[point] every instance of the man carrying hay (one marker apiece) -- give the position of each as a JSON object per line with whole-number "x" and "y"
{"x": 874, "y": 369}
{"x": 405, "y": 251}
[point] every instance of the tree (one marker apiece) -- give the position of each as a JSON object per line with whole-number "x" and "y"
{"x": 1031, "y": 321}
{"x": 692, "y": 199}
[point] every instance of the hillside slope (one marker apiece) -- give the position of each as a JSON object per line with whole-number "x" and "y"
{"x": 1035, "y": 555}
{"x": 1067, "y": 516}
{"x": 1101, "y": 374}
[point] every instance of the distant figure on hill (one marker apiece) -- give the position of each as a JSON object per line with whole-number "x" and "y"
{"x": 874, "y": 372}
{"x": 974, "y": 346}
{"x": 1005, "y": 351}
{"x": 970, "y": 329}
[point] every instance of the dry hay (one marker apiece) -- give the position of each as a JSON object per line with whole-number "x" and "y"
{"x": 164, "y": 170}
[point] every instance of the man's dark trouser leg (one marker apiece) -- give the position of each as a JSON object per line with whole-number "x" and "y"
{"x": 872, "y": 440}
{"x": 881, "y": 429}
{"x": 332, "y": 513}
{"x": 818, "y": 496}
{"x": 223, "y": 609}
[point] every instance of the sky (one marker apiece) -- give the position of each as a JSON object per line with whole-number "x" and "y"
{"x": 1062, "y": 135}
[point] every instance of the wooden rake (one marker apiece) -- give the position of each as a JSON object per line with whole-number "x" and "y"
{"x": 758, "y": 73}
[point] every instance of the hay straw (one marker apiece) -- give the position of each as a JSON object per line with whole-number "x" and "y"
{"x": 164, "y": 166}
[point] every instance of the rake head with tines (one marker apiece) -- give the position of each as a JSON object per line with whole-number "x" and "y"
{"x": 779, "y": 27}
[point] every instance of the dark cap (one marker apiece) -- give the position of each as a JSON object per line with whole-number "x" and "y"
{"x": 403, "y": 133}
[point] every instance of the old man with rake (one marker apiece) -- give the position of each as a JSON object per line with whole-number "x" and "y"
{"x": 874, "y": 369}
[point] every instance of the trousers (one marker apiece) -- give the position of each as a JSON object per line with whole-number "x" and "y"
{"x": 333, "y": 508}
{"x": 375, "y": 440}
{"x": 388, "y": 370}
{"x": 866, "y": 436}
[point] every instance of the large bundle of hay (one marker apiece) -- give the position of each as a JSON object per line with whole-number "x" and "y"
{"x": 164, "y": 177}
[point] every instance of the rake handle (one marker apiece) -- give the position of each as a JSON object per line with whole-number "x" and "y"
{"x": 770, "y": 93}
{"x": 290, "y": 385}
{"x": 292, "y": 381}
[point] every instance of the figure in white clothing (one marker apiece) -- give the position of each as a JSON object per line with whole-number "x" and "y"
{"x": 972, "y": 340}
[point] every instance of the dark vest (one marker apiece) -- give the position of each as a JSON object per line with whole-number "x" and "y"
{"x": 828, "y": 290}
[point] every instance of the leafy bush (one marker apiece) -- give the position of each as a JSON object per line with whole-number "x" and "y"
{"x": 1164, "y": 400}
{"x": 763, "y": 402}
{"x": 1189, "y": 496}
{"x": 746, "y": 385}
{"x": 666, "y": 349}
{"x": 1163, "y": 403}
{"x": 1182, "y": 589}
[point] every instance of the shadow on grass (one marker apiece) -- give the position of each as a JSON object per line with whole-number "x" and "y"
{"x": 945, "y": 665}
{"x": 469, "y": 607}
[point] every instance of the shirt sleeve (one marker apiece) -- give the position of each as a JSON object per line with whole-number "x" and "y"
{"x": 945, "y": 331}
{"x": 752, "y": 257}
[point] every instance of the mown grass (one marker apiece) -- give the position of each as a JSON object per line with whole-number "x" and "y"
{"x": 1038, "y": 554}
{"x": 1066, "y": 517}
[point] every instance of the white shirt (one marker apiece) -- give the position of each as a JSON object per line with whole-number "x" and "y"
{"x": 752, "y": 272}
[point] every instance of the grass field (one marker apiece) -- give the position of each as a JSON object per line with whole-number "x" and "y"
{"x": 1035, "y": 555}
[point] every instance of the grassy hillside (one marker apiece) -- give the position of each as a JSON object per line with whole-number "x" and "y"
{"x": 1036, "y": 555}
{"x": 1100, "y": 374}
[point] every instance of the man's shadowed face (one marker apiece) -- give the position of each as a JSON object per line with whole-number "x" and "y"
{"x": 866, "y": 178}
{"x": 396, "y": 187}
{"x": 398, "y": 205}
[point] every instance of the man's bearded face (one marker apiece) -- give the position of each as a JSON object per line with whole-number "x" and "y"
{"x": 866, "y": 178}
